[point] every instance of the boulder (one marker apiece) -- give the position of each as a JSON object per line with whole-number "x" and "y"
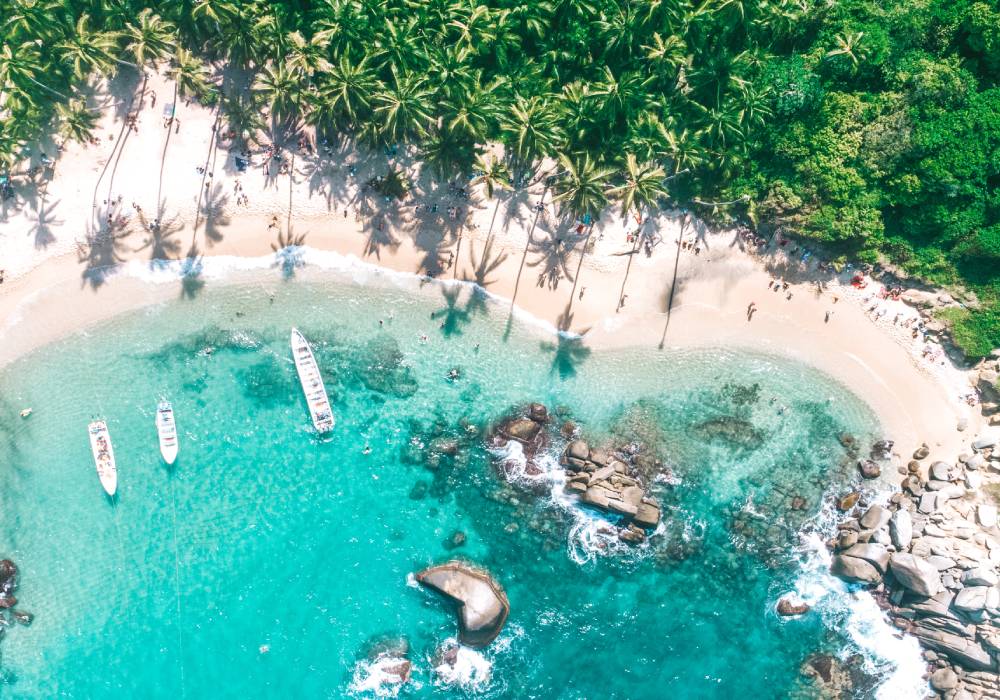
{"x": 976, "y": 461}
{"x": 845, "y": 503}
{"x": 973, "y": 480}
{"x": 875, "y": 517}
{"x": 944, "y": 679}
{"x": 22, "y": 617}
{"x": 597, "y": 497}
{"x": 869, "y": 469}
{"x": 8, "y": 577}
{"x": 915, "y": 574}
{"x": 941, "y": 471}
{"x": 854, "y": 570}
{"x": 921, "y": 452}
{"x": 980, "y": 576}
{"x": 789, "y": 606}
{"x": 874, "y": 554}
{"x": 966, "y": 652}
{"x": 647, "y": 516}
{"x": 882, "y": 449}
{"x": 578, "y": 449}
{"x": 522, "y": 429}
{"x": 901, "y": 529}
{"x": 601, "y": 474}
{"x": 984, "y": 443}
{"x": 928, "y": 502}
{"x": 847, "y": 539}
{"x": 632, "y": 534}
{"x": 975, "y": 598}
{"x": 538, "y": 413}
{"x": 987, "y": 514}
{"x": 482, "y": 605}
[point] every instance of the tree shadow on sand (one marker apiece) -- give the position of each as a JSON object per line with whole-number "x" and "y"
{"x": 552, "y": 253}
{"x": 568, "y": 352}
{"x": 42, "y": 222}
{"x": 103, "y": 248}
{"x": 215, "y": 216}
{"x": 160, "y": 236}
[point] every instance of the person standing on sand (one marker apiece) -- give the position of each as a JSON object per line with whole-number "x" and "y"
{"x": 751, "y": 308}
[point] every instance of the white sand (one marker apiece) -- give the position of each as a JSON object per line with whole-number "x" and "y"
{"x": 917, "y": 398}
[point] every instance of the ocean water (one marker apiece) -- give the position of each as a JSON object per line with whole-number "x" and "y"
{"x": 268, "y": 562}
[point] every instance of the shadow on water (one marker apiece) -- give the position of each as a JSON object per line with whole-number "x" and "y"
{"x": 568, "y": 352}
{"x": 191, "y": 269}
{"x": 288, "y": 253}
{"x": 453, "y": 317}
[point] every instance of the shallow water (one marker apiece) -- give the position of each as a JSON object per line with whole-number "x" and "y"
{"x": 267, "y": 561}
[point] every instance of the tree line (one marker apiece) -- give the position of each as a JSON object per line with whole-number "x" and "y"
{"x": 870, "y": 128}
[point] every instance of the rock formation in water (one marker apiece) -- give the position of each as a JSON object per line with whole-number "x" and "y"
{"x": 481, "y": 604}
{"x": 8, "y": 583}
{"x": 931, "y": 557}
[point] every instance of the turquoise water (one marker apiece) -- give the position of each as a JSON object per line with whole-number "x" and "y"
{"x": 264, "y": 537}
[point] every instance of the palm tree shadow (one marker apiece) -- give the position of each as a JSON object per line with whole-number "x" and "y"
{"x": 42, "y": 223}
{"x": 103, "y": 248}
{"x": 568, "y": 352}
{"x": 552, "y": 253}
{"x": 191, "y": 269}
{"x": 452, "y": 316}
{"x": 486, "y": 265}
{"x": 214, "y": 210}
{"x": 159, "y": 236}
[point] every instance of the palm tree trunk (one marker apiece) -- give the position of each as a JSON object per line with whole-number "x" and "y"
{"x": 621, "y": 293}
{"x": 576, "y": 278}
{"x": 527, "y": 244}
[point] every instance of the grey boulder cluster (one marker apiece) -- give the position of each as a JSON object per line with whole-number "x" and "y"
{"x": 603, "y": 481}
{"x": 931, "y": 556}
{"x": 986, "y": 379}
{"x": 8, "y": 586}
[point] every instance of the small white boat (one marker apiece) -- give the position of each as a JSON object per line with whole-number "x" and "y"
{"x": 312, "y": 383}
{"x": 167, "y": 430}
{"x": 26, "y": 412}
{"x": 104, "y": 456}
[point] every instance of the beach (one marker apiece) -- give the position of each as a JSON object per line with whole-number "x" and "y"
{"x": 180, "y": 179}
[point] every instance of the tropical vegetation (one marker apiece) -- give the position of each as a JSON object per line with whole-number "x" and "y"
{"x": 870, "y": 129}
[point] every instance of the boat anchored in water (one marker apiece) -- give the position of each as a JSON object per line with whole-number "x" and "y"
{"x": 312, "y": 383}
{"x": 104, "y": 456}
{"x": 166, "y": 428}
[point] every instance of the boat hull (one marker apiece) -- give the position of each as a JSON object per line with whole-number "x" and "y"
{"x": 104, "y": 456}
{"x": 166, "y": 430}
{"x": 312, "y": 383}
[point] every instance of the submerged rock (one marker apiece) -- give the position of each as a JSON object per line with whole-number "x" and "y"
{"x": 8, "y": 583}
{"x": 790, "y": 606}
{"x": 731, "y": 430}
{"x": 482, "y": 605}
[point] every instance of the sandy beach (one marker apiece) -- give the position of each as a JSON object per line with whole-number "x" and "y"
{"x": 174, "y": 192}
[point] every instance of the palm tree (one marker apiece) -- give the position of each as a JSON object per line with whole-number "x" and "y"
{"x": 531, "y": 131}
{"x": 189, "y": 75}
{"x": 403, "y": 108}
{"x": 150, "y": 38}
{"x": 76, "y": 122}
{"x": 582, "y": 191}
{"x": 308, "y": 55}
{"x": 344, "y": 96}
{"x": 280, "y": 89}
{"x": 849, "y": 46}
{"x": 242, "y": 116}
{"x": 19, "y": 68}
{"x": 88, "y": 50}
{"x": 642, "y": 188}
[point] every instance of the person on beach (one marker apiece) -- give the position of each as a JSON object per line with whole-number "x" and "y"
{"x": 582, "y": 290}
{"x": 751, "y": 308}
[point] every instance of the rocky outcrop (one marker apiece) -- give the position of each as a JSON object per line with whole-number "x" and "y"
{"x": 916, "y": 574}
{"x": 790, "y": 606}
{"x": 602, "y": 480}
{"x": 481, "y": 604}
{"x": 8, "y": 583}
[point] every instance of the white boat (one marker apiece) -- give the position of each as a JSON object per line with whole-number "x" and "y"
{"x": 167, "y": 430}
{"x": 312, "y": 383}
{"x": 104, "y": 456}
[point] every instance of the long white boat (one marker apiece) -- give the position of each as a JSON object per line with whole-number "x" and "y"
{"x": 104, "y": 456}
{"x": 312, "y": 383}
{"x": 167, "y": 430}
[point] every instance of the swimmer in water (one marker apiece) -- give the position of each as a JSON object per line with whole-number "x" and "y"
{"x": 367, "y": 450}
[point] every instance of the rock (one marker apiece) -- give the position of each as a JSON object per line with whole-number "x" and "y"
{"x": 731, "y": 431}
{"x": 576, "y": 486}
{"x": 455, "y": 540}
{"x": 647, "y": 516}
{"x": 845, "y": 503}
{"x": 941, "y": 471}
{"x": 912, "y": 485}
{"x": 960, "y": 649}
{"x": 921, "y": 452}
{"x": 984, "y": 443}
{"x": 854, "y": 570}
{"x": 976, "y": 461}
{"x": 789, "y": 606}
{"x": 632, "y": 534}
{"x": 986, "y": 513}
{"x": 939, "y": 605}
{"x": 578, "y": 449}
{"x": 973, "y": 480}
{"x": 941, "y": 563}
{"x": 633, "y": 495}
{"x": 901, "y": 529}
{"x": 936, "y": 485}
{"x": 522, "y": 429}
{"x": 944, "y": 679}
{"x": 882, "y": 449}
{"x": 976, "y": 598}
{"x": 8, "y": 577}
{"x": 23, "y": 618}
{"x": 875, "y": 517}
{"x": 597, "y": 497}
{"x": 869, "y": 469}
{"x": 7, "y": 601}
{"x": 915, "y": 574}
{"x": 622, "y": 508}
{"x": 980, "y": 576}
{"x": 599, "y": 457}
{"x": 846, "y": 539}
{"x": 567, "y": 429}
{"x": 874, "y": 554}
{"x": 601, "y": 474}
{"x": 538, "y": 413}
{"x": 928, "y": 502}
{"x": 913, "y": 466}
{"x": 482, "y": 603}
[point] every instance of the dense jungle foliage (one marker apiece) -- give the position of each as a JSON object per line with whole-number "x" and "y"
{"x": 870, "y": 128}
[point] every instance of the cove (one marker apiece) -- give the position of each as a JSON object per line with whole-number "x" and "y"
{"x": 268, "y": 561}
